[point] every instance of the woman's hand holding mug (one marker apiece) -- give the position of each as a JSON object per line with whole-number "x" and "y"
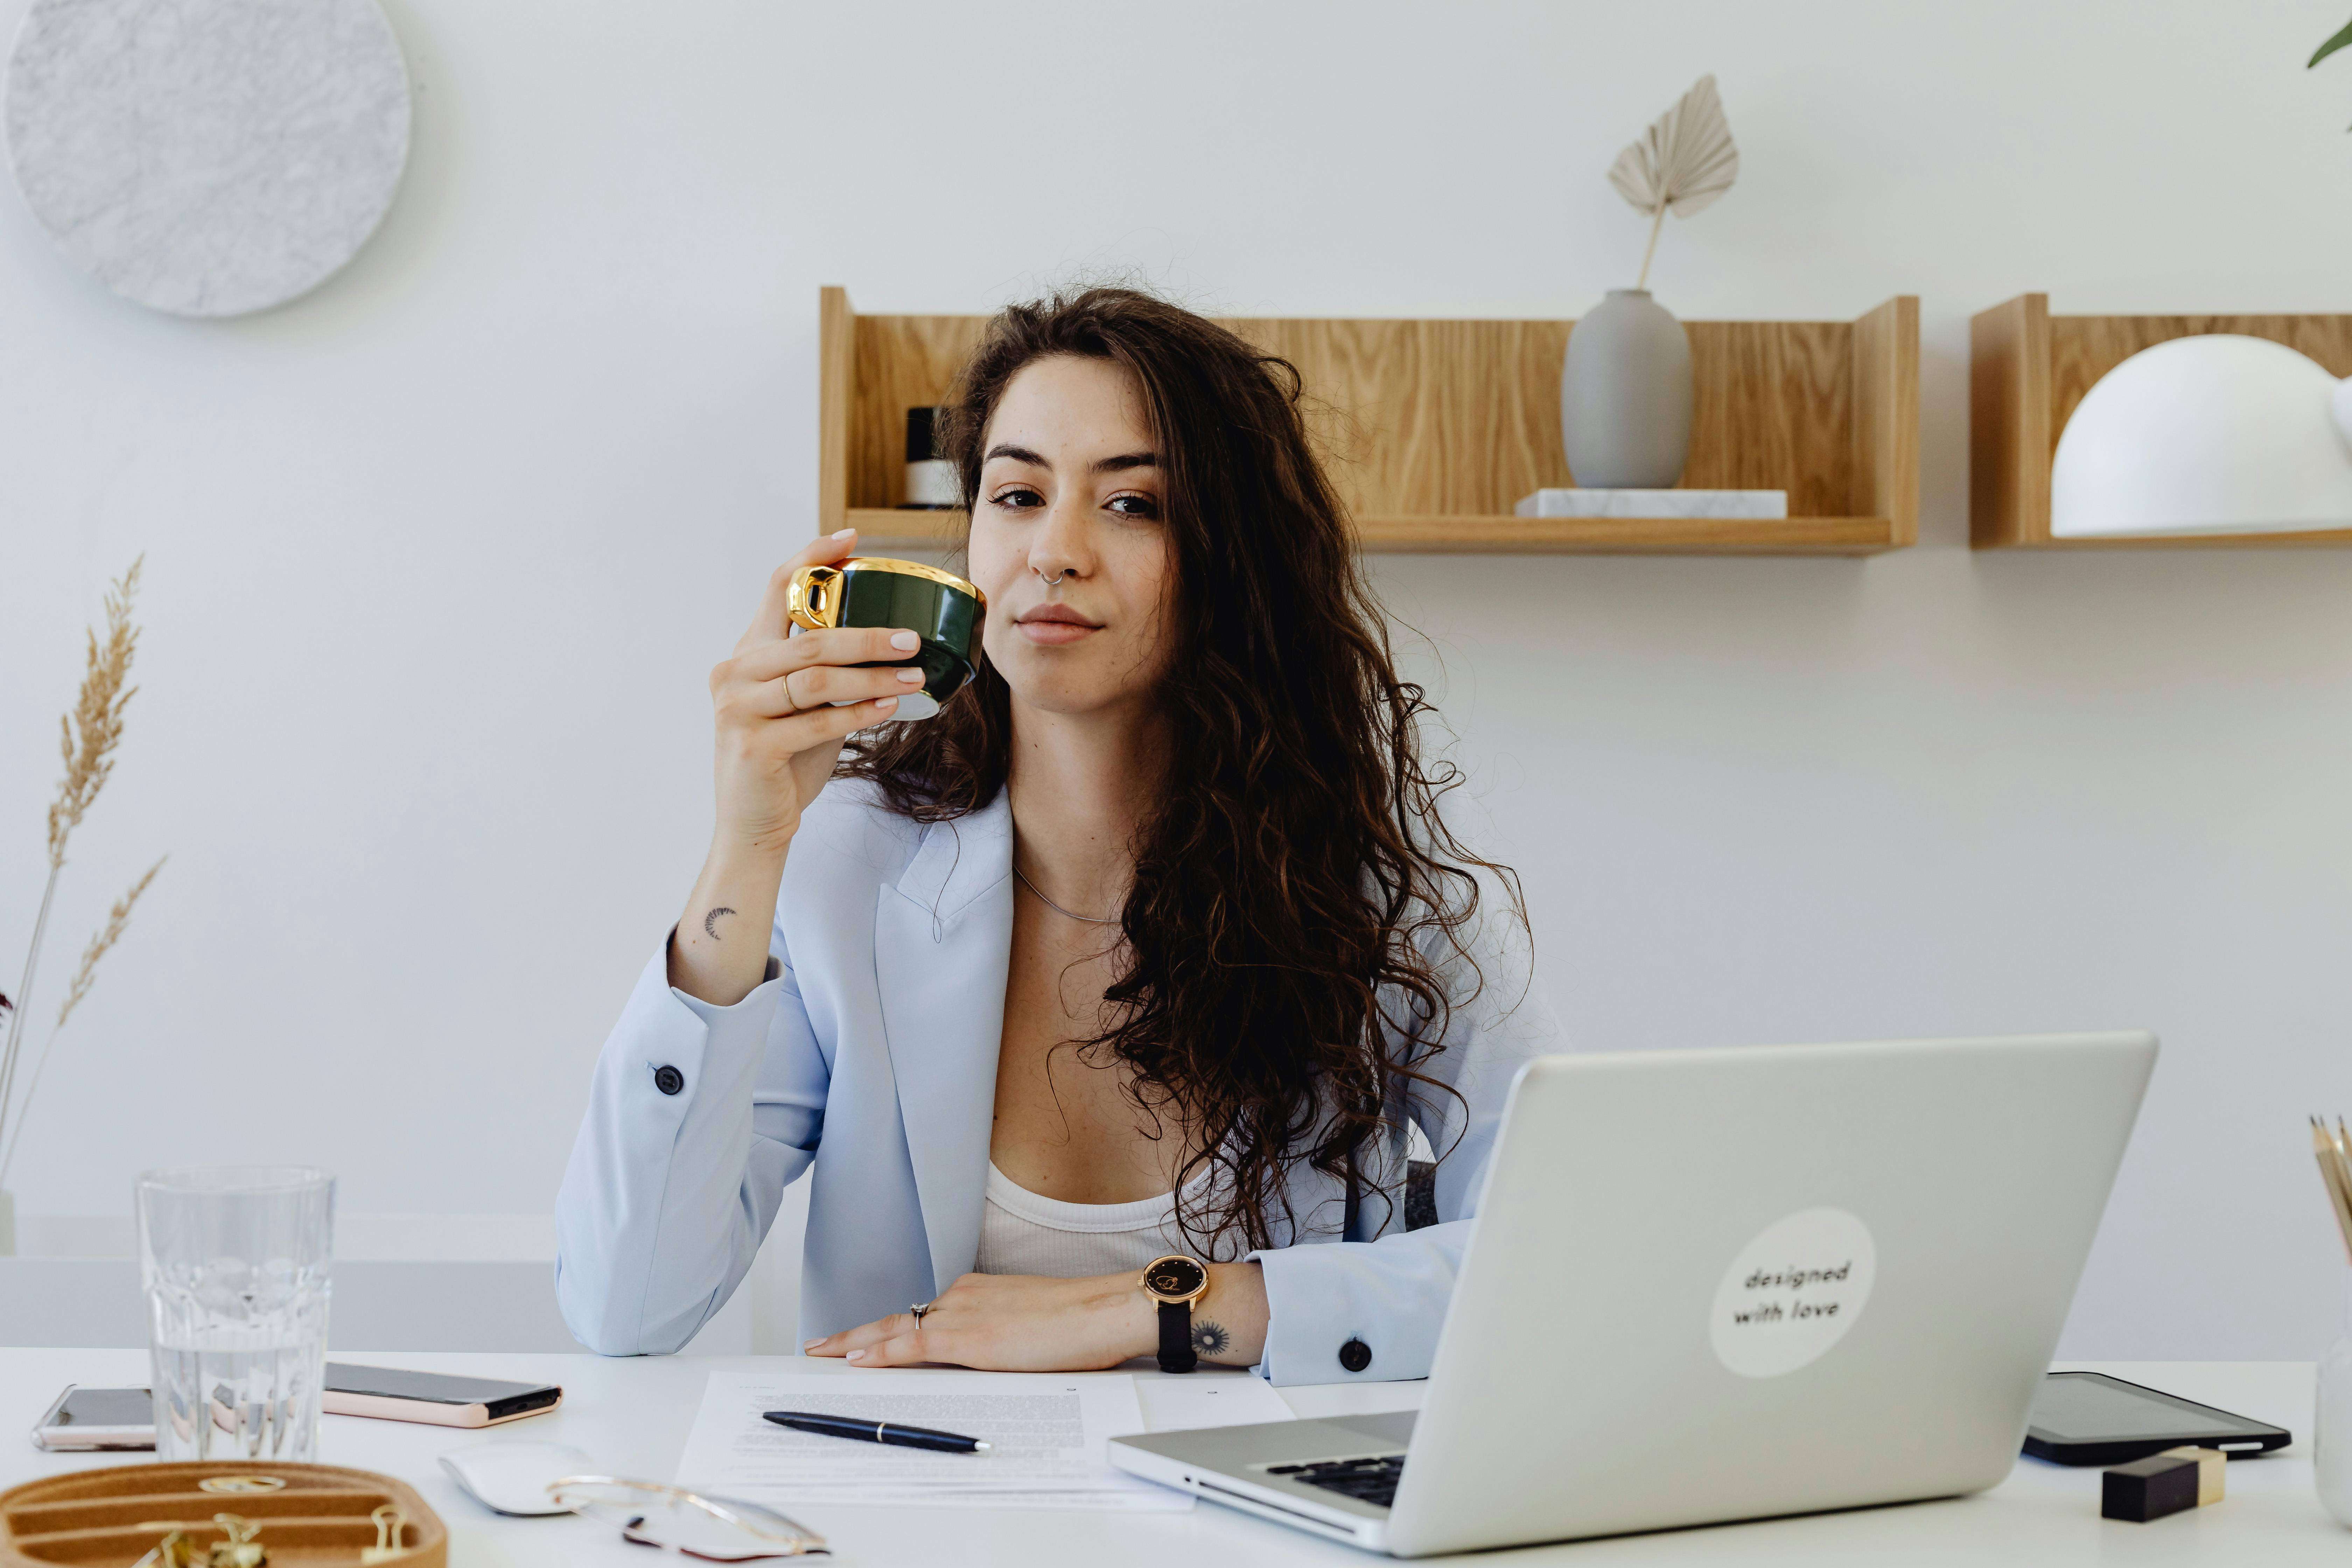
{"x": 778, "y": 735}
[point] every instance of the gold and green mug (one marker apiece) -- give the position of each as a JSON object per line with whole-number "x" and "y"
{"x": 942, "y": 609}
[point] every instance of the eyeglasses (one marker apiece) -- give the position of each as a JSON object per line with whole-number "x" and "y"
{"x": 722, "y": 1530}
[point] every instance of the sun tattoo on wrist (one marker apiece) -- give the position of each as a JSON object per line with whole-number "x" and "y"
{"x": 711, "y": 917}
{"x": 1211, "y": 1339}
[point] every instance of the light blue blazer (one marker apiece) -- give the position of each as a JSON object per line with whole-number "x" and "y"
{"x": 868, "y": 1059}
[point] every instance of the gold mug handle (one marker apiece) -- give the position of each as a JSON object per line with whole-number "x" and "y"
{"x": 812, "y": 599}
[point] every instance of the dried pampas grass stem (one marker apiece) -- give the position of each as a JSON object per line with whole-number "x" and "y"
{"x": 118, "y": 919}
{"x": 87, "y": 738}
{"x": 105, "y": 937}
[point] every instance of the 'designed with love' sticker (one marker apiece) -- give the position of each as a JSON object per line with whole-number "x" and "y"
{"x": 1793, "y": 1292}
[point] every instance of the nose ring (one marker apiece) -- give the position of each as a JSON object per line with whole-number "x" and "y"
{"x": 1053, "y": 582}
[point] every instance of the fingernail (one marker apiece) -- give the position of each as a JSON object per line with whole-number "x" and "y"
{"x": 911, "y": 677}
{"x": 858, "y": 1355}
{"x": 905, "y": 642}
{"x": 846, "y": 534}
{"x": 885, "y": 704}
{"x": 811, "y": 1344}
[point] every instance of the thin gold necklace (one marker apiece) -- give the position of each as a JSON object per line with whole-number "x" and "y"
{"x": 1055, "y": 907}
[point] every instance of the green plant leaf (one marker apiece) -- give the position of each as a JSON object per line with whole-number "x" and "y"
{"x": 2340, "y": 40}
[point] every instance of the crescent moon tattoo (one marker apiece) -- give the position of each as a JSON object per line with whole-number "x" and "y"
{"x": 711, "y": 917}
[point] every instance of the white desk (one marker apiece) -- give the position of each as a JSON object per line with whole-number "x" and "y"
{"x": 633, "y": 1415}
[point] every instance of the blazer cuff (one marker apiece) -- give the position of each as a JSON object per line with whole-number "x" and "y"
{"x": 731, "y": 1038}
{"x": 1356, "y": 1311}
{"x": 640, "y": 1185}
{"x": 759, "y": 1002}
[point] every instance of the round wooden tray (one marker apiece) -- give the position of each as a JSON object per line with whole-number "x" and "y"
{"x": 111, "y": 1518}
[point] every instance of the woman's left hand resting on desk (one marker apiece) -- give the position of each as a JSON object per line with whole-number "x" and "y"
{"x": 1023, "y": 1322}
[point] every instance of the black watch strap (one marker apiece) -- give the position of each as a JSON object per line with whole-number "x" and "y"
{"x": 1176, "y": 1351}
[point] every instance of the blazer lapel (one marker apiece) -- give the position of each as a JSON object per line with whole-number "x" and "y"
{"x": 942, "y": 943}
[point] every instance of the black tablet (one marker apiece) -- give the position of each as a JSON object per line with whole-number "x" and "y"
{"x": 2090, "y": 1418}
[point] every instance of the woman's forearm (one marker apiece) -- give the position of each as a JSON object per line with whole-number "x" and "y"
{"x": 1026, "y": 1322}
{"x": 773, "y": 747}
{"x": 1228, "y": 1322}
{"x": 719, "y": 952}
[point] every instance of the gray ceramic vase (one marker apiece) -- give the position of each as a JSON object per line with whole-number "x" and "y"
{"x": 1625, "y": 394}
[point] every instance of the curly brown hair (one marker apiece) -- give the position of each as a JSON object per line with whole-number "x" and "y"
{"x": 1298, "y": 899}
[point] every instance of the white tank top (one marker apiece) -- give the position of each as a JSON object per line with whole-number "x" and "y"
{"x": 1024, "y": 1233}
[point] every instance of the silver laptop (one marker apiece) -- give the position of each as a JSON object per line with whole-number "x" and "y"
{"x": 1721, "y": 1285}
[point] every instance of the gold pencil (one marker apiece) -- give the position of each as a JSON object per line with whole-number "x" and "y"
{"x": 2330, "y": 1155}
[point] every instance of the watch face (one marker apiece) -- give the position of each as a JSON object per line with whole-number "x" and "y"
{"x": 1174, "y": 1277}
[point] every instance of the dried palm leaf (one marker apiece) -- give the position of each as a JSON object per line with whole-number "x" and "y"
{"x": 1681, "y": 164}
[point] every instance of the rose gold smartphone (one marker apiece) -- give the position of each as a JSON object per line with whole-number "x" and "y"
{"x": 88, "y": 1420}
{"x": 391, "y": 1395}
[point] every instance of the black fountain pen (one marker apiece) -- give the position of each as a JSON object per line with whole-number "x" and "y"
{"x": 866, "y": 1431}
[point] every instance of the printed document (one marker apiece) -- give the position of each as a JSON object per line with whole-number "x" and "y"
{"x": 1047, "y": 1435}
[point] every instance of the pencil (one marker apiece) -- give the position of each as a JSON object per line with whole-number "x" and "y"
{"x": 2330, "y": 1155}
{"x": 2341, "y": 1162}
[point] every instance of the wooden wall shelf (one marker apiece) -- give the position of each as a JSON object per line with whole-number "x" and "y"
{"x": 1435, "y": 429}
{"x": 2028, "y": 370}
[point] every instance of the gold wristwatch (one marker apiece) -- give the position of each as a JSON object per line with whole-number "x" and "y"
{"x": 1176, "y": 1282}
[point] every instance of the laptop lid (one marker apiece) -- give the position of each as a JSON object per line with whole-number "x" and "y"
{"x": 1727, "y": 1284}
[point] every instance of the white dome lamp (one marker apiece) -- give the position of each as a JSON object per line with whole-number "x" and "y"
{"x": 2214, "y": 434}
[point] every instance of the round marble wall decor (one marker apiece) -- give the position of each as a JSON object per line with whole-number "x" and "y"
{"x": 208, "y": 157}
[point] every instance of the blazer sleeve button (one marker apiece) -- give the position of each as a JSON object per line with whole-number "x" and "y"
{"x": 669, "y": 1080}
{"x": 1355, "y": 1355}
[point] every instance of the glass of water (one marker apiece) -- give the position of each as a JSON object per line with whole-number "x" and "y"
{"x": 236, "y": 1260}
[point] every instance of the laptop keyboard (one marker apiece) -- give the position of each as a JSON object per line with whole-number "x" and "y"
{"x": 1366, "y": 1480}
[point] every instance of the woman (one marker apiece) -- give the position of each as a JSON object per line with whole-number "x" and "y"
{"x": 1151, "y": 943}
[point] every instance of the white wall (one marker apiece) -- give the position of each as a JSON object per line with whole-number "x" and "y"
{"x": 437, "y": 558}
